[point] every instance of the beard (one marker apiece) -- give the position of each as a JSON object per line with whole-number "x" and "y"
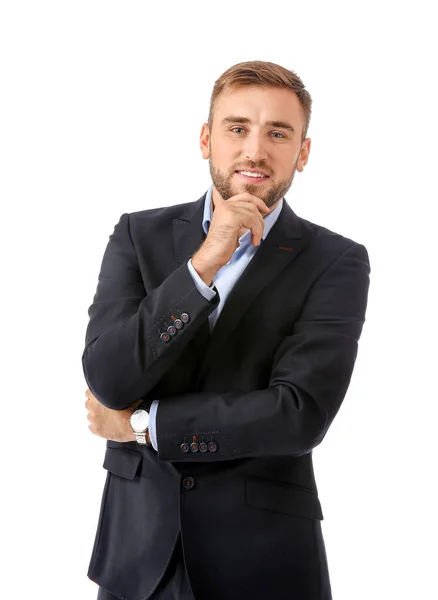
{"x": 222, "y": 182}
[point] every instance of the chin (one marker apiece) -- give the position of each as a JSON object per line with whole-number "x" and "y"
{"x": 256, "y": 190}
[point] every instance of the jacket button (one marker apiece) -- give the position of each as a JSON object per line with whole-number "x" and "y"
{"x": 178, "y": 323}
{"x": 188, "y": 483}
{"x": 184, "y": 448}
{"x": 212, "y": 446}
{"x": 165, "y": 337}
{"x": 171, "y": 330}
{"x": 194, "y": 447}
{"x": 203, "y": 447}
{"x": 185, "y": 318}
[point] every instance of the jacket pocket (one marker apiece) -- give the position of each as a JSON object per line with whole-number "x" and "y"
{"x": 282, "y": 498}
{"x": 122, "y": 462}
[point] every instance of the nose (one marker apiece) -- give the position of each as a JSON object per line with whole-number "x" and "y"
{"x": 254, "y": 148}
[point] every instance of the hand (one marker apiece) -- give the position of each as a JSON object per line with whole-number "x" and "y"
{"x": 243, "y": 211}
{"x": 107, "y": 423}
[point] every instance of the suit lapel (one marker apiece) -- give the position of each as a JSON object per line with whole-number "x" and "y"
{"x": 187, "y": 231}
{"x": 282, "y": 245}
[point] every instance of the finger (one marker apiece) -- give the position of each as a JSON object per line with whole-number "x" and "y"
{"x": 249, "y": 210}
{"x": 254, "y": 224}
{"x": 260, "y": 209}
{"x": 243, "y": 222}
{"x": 252, "y": 221}
{"x": 251, "y": 199}
{"x": 90, "y": 403}
{"x": 236, "y": 219}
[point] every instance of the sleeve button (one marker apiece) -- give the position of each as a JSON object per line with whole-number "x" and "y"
{"x": 165, "y": 337}
{"x": 212, "y": 447}
{"x": 171, "y": 330}
{"x": 184, "y": 448}
{"x": 185, "y": 318}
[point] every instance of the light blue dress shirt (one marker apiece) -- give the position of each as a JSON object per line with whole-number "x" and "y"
{"x": 224, "y": 280}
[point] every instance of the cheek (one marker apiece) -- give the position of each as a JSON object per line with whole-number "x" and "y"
{"x": 223, "y": 162}
{"x": 227, "y": 150}
{"x": 285, "y": 166}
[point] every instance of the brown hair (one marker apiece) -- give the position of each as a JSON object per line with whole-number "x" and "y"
{"x": 258, "y": 72}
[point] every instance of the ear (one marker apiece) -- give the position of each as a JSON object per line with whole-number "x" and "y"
{"x": 304, "y": 154}
{"x": 204, "y": 141}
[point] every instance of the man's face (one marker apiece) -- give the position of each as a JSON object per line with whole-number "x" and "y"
{"x": 255, "y": 129}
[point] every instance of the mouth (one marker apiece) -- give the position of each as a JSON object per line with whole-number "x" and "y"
{"x": 252, "y": 176}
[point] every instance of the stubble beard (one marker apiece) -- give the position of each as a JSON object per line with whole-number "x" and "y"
{"x": 222, "y": 182}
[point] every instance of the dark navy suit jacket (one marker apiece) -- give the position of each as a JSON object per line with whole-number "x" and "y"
{"x": 255, "y": 397}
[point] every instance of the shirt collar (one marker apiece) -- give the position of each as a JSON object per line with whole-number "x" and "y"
{"x": 270, "y": 219}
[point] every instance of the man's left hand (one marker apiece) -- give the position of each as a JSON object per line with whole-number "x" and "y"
{"x": 108, "y": 423}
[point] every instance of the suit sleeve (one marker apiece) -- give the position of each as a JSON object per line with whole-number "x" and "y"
{"x": 310, "y": 375}
{"x": 124, "y": 356}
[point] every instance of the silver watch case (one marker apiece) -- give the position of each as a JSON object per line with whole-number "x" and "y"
{"x": 139, "y": 420}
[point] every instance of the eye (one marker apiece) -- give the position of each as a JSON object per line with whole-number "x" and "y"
{"x": 278, "y": 133}
{"x": 234, "y": 128}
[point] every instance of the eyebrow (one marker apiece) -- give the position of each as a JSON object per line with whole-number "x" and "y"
{"x": 279, "y": 124}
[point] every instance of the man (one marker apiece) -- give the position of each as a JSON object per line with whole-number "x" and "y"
{"x": 221, "y": 343}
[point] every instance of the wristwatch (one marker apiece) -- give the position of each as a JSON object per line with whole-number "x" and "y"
{"x": 139, "y": 421}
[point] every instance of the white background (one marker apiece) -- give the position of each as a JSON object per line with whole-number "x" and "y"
{"x": 102, "y": 104}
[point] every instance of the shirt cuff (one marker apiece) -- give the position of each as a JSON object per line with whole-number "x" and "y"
{"x": 208, "y": 292}
{"x": 153, "y": 424}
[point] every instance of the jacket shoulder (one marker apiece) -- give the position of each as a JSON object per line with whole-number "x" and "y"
{"x": 153, "y": 222}
{"x": 166, "y": 213}
{"x": 324, "y": 237}
{"x": 329, "y": 245}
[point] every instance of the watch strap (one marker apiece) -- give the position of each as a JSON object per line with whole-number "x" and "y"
{"x": 141, "y": 438}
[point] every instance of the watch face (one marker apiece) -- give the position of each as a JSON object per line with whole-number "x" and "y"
{"x": 139, "y": 420}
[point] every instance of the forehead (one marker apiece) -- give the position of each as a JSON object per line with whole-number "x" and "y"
{"x": 261, "y": 103}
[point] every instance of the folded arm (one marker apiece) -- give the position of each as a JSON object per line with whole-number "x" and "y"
{"x": 124, "y": 356}
{"x": 310, "y": 375}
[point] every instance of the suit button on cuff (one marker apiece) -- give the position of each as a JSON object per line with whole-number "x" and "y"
{"x": 178, "y": 323}
{"x": 184, "y": 448}
{"x": 194, "y": 447}
{"x": 171, "y": 330}
{"x": 185, "y": 318}
{"x": 203, "y": 447}
{"x": 165, "y": 337}
{"x": 212, "y": 447}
